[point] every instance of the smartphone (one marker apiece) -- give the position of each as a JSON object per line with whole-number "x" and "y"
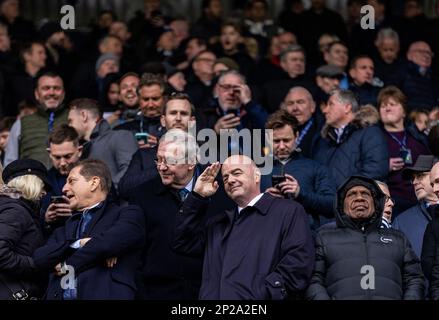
{"x": 276, "y": 179}
{"x": 142, "y": 136}
{"x": 58, "y": 199}
{"x": 233, "y": 111}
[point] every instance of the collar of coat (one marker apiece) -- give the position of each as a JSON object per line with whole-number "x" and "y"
{"x": 100, "y": 129}
{"x": 262, "y": 207}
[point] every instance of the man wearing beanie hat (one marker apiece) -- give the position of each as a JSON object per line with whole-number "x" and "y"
{"x": 414, "y": 220}
{"x": 356, "y": 259}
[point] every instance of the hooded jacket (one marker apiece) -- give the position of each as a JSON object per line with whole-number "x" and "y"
{"x": 361, "y": 261}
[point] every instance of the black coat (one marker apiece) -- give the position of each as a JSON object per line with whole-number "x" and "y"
{"x": 166, "y": 274}
{"x": 430, "y": 243}
{"x": 115, "y": 232}
{"x": 142, "y": 168}
{"x": 20, "y": 235}
{"x": 265, "y": 253}
{"x": 344, "y": 248}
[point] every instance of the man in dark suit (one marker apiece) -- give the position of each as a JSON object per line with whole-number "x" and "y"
{"x": 99, "y": 245}
{"x": 166, "y": 274}
{"x": 261, "y": 249}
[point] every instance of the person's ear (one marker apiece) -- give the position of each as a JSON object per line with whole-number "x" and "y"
{"x": 80, "y": 148}
{"x": 162, "y": 120}
{"x": 95, "y": 184}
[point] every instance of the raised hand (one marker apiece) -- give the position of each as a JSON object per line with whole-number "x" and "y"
{"x": 206, "y": 185}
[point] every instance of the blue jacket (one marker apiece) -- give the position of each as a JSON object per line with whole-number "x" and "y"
{"x": 264, "y": 253}
{"x": 115, "y": 232}
{"x": 360, "y": 151}
{"x": 412, "y": 223}
{"x": 317, "y": 188}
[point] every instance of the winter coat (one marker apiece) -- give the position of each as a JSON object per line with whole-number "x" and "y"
{"x": 362, "y": 150}
{"x": 364, "y": 262}
{"x": 20, "y": 235}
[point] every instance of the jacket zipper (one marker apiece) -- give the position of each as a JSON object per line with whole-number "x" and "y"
{"x": 367, "y": 259}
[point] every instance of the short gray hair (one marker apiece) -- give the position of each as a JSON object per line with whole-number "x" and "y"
{"x": 387, "y": 33}
{"x": 346, "y": 97}
{"x": 183, "y": 140}
{"x": 292, "y": 48}
{"x": 232, "y": 72}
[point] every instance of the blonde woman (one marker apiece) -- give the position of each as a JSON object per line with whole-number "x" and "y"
{"x": 25, "y": 181}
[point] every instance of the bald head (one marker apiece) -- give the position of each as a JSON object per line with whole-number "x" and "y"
{"x": 434, "y": 179}
{"x": 241, "y": 179}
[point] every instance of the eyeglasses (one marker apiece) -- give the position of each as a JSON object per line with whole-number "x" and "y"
{"x": 169, "y": 162}
{"x": 387, "y": 198}
{"x": 427, "y": 52}
{"x": 227, "y": 87}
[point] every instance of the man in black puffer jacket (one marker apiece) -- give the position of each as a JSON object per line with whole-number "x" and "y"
{"x": 356, "y": 259}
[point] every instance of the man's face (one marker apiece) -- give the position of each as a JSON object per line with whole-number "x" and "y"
{"x": 64, "y": 156}
{"x": 434, "y": 179}
{"x": 108, "y": 66}
{"x": 294, "y": 64}
{"x": 215, "y": 8}
{"x": 50, "y": 92}
{"x": 128, "y": 91}
{"x": 420, "y": 54}
{"x": 363, "y": 71}
{"x": 228, "y": 98}
{"x": 335, "y": 111}
{"x": 337, "y": 56}
{"x": 78, "y": 190}
{"x": 299, "y": 103}
{"x": 167, "y": 41}
{"x": 258, "y": 12}
{"x": 391, "y": 111}
{"x": 120, "y": 30}
{"x": 389, "y": 204}
{"x": 4, "y": 135}
{"x": 173, "y": 171}
{"x": 151, "y": 101}
{"x": 37, "y": 56}
{"x": 178, "y": 115}
{"x": 203, "y": 63}
{"x": 193, "y": 48}
{"x": 75, "y": 120}
{"x": 327, "y": 84}
{"x": 10, "y": 9}
{"x": 421, "y": 184}
{"x": 240, "y": 179}
{"x": 358, "y": 203}
{"x": 229, "y": 38}
{"x": 284, "y": 142}
{"x": 113, "y": 45}
{"x": 388, "y": 49}
{"x": 286, "y": 39}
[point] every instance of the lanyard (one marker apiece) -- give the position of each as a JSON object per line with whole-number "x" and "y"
{"x": 304, "y": 132}
{"x": 403, "y": 143}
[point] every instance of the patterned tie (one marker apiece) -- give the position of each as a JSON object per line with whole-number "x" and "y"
{"x": 183, "y": 194}
{"x": 51, "y": 121}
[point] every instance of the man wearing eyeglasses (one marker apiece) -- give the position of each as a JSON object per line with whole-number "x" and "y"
{"x": 165, "y": 274}
{"x": 419, "y": 84}
{"x": 232, "y": 107}
{"x": 414, "y": 220}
